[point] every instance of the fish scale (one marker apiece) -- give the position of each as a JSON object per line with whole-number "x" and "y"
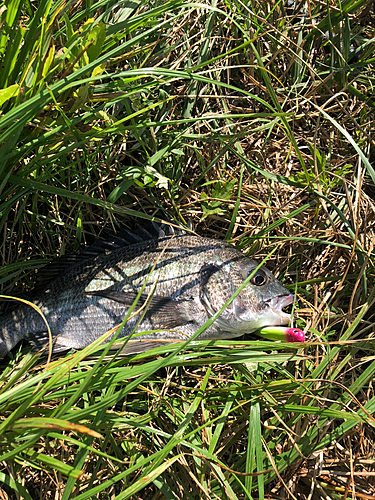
{"x": 191, "y": 277}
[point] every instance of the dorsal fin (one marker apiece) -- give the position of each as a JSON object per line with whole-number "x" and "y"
{"x": 100, "y": 247}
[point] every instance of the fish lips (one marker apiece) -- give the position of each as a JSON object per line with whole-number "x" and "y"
{"x": 268, "y": 312}
{"x": 277, "y": 305}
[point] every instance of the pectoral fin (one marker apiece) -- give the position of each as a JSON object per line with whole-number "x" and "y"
{"x": 163, "y": 312}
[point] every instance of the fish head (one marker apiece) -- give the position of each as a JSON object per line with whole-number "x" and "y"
{"x": 259, "y": 304}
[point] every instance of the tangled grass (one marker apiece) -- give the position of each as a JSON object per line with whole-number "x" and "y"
{"x": 254, "y": 121}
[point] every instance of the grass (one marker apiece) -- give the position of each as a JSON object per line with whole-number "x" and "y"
{"x": 255, "y": 122}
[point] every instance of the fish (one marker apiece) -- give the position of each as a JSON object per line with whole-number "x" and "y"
{"x": 180, "y": 280}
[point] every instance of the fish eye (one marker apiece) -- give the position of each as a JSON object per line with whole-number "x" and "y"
{"x": 259, "y": 278}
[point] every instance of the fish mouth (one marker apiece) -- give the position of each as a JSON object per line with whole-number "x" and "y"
{"x": 278, "y": 303}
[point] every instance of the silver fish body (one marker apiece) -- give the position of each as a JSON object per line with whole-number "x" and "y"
{"x": 189, "y": 277}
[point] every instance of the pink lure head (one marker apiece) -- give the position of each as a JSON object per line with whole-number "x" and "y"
{"x": 294, "y": 335}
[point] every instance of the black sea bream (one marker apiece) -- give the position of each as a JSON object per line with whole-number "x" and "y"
{"x": 188, "y": 278}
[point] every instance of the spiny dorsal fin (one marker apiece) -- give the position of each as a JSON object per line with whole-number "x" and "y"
{"x": 122, "y": 239}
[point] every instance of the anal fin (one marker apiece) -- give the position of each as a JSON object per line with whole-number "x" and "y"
{"x": 39, "y": 341}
